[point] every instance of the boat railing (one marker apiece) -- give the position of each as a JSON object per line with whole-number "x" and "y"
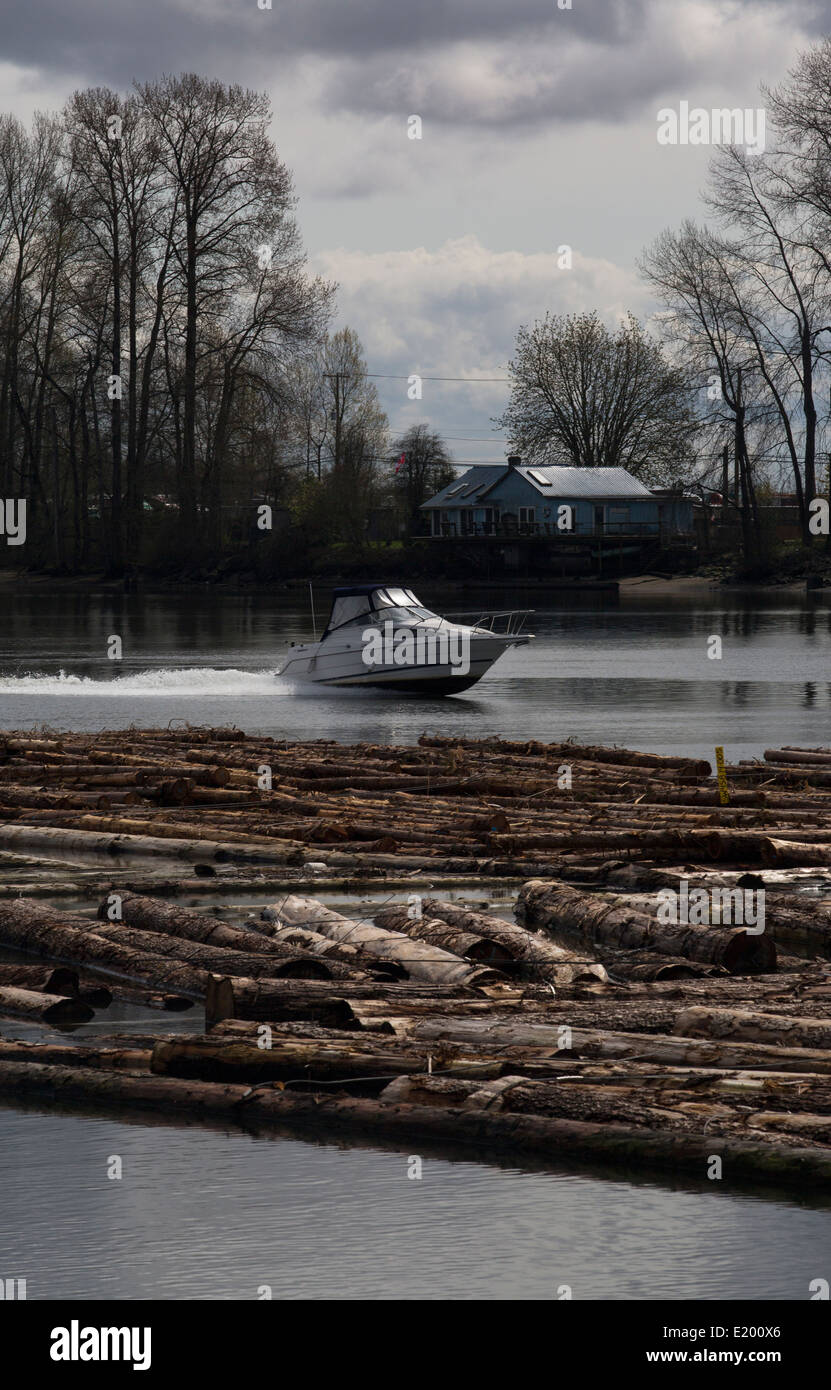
{"x": 509, "y": 622}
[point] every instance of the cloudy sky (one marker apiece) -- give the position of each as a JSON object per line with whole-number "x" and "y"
{"x": 538, "y": 130}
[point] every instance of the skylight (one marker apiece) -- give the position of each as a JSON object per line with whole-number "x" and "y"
{"x": 538, "y": 477}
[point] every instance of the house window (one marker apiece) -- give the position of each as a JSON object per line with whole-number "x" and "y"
{"x": 527, "y": 516}
{"x": 467, "y": 521}
{"x": 618, "y": 515}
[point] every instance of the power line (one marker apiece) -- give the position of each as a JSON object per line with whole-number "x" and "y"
{"x": 394, "y": 376}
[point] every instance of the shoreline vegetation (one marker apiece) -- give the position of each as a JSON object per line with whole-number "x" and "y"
{"x": 636, "y": 585}
{"x": 597, "y": 1025}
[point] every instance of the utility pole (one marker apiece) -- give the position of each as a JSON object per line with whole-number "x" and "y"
{"x": 725, "y": 481}
{"x": 336, "y": 376}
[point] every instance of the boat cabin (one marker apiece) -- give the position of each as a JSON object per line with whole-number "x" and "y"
{"x": 368, "y": 602}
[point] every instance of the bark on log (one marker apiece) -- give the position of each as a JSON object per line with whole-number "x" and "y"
{"x": 458, "y": 941}
{"x": 775, "y": 1029}
{"x": 304, "y": 1061}
{"x": 421, "y": 962}
{"x": 45, "y": 1008}
{"x": 558, "y": 908}
{"x": 38, "y": 930}
{"x": 58, "y": 979}
{"x": 219, "y": 958}
{"x": 594, "y": 1043}
{"x": 65, "y": 1054}
{"x": 315, "y": 1000}
{"x": 541, "y": 959}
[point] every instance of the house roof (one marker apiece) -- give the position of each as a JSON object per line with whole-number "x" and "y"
{"x": 554, "y": 481}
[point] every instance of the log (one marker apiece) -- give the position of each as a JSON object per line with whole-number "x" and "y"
{"x": 777, "y": 1029}
{"x": 551, "y": 1138}
{"x": 62, "y": 1054}
{"x": 302, "y": 1061}
{"x": 466, "y": 944}
{"x": 42, "y": 1007}
{"x": 315, "y": 1000}
{"x": 32, "y": 927}
{"x": 817, "y": 756}
{"x": 602, "y": 1044}
{"x": 541, "y": 959}
{"x": 791, "y": 853}
{"x": 556, "y": 907}
{"x": 220, "y": 958}
{"x": 51, "y": 841}
{"x": 46, "y": 979}
{"x": 301, "y": 938}
{"x": 421, "y": 961}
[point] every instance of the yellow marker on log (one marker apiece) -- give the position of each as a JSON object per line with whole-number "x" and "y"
{"x": 723, "y": 793}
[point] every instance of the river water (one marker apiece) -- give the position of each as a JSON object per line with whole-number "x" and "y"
{"x": 221, "y": 1214}
{"x": 635, "y": 672}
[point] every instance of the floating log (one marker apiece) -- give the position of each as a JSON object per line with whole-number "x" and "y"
{"x": 776, "y": 1029}
{"x": 348, "y": 955}
{"x": 421, "y": 961}
{"x": 37, "y": 929}
{"x": 575, "y": 1140}
{"x": 221, "y": 958}
{"x": 556, "y": 907}
{"x": 42, "y": 1007}
{"x": 794, "y": 853}
{"x": 101, "y": 1055}
{"x": 58, "y": 979}
{"x": 466, "y": 944}
{"x": 315, "y": 1000}
{"x": 602, "y": 1044}
{"x": 541, "y": 959}
{"x": 303, "y": 1061}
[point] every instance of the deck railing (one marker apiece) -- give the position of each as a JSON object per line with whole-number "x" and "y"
{"x": 514, "y": 530}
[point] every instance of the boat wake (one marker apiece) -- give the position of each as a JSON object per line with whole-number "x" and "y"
{"x": 185, "y": 682}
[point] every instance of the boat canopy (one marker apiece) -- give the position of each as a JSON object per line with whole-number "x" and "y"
{"x": 362, "y": 600}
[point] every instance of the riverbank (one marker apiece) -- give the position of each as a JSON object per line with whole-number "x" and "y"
{"x": 631, "y": 586}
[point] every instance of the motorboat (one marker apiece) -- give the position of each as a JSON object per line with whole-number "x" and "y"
{"x": 383, "y": 637}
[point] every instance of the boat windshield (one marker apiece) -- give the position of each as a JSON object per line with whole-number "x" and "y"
{"x": 384, "y": 605}
{"x": 399, "y": 606}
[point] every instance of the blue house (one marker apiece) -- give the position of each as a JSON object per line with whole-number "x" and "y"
{"x": 510, "y": 500}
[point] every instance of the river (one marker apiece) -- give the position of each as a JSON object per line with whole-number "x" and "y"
{"x": 208, "y": 1213}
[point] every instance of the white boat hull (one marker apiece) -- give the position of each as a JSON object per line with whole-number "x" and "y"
{"x": 343, "y": 665}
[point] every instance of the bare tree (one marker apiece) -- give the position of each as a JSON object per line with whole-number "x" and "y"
{"x": 423, "y": 466}
{"x": 586, "y": 396}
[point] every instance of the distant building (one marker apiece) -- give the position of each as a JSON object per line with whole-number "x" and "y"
{"x": 512, "y": 500}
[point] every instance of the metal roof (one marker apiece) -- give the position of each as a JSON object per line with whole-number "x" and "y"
{"x": 560, "y": 482}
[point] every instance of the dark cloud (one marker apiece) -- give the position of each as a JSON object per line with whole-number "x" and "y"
{"x": 475, "y": 63}
{"x": 111, "y": 41}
